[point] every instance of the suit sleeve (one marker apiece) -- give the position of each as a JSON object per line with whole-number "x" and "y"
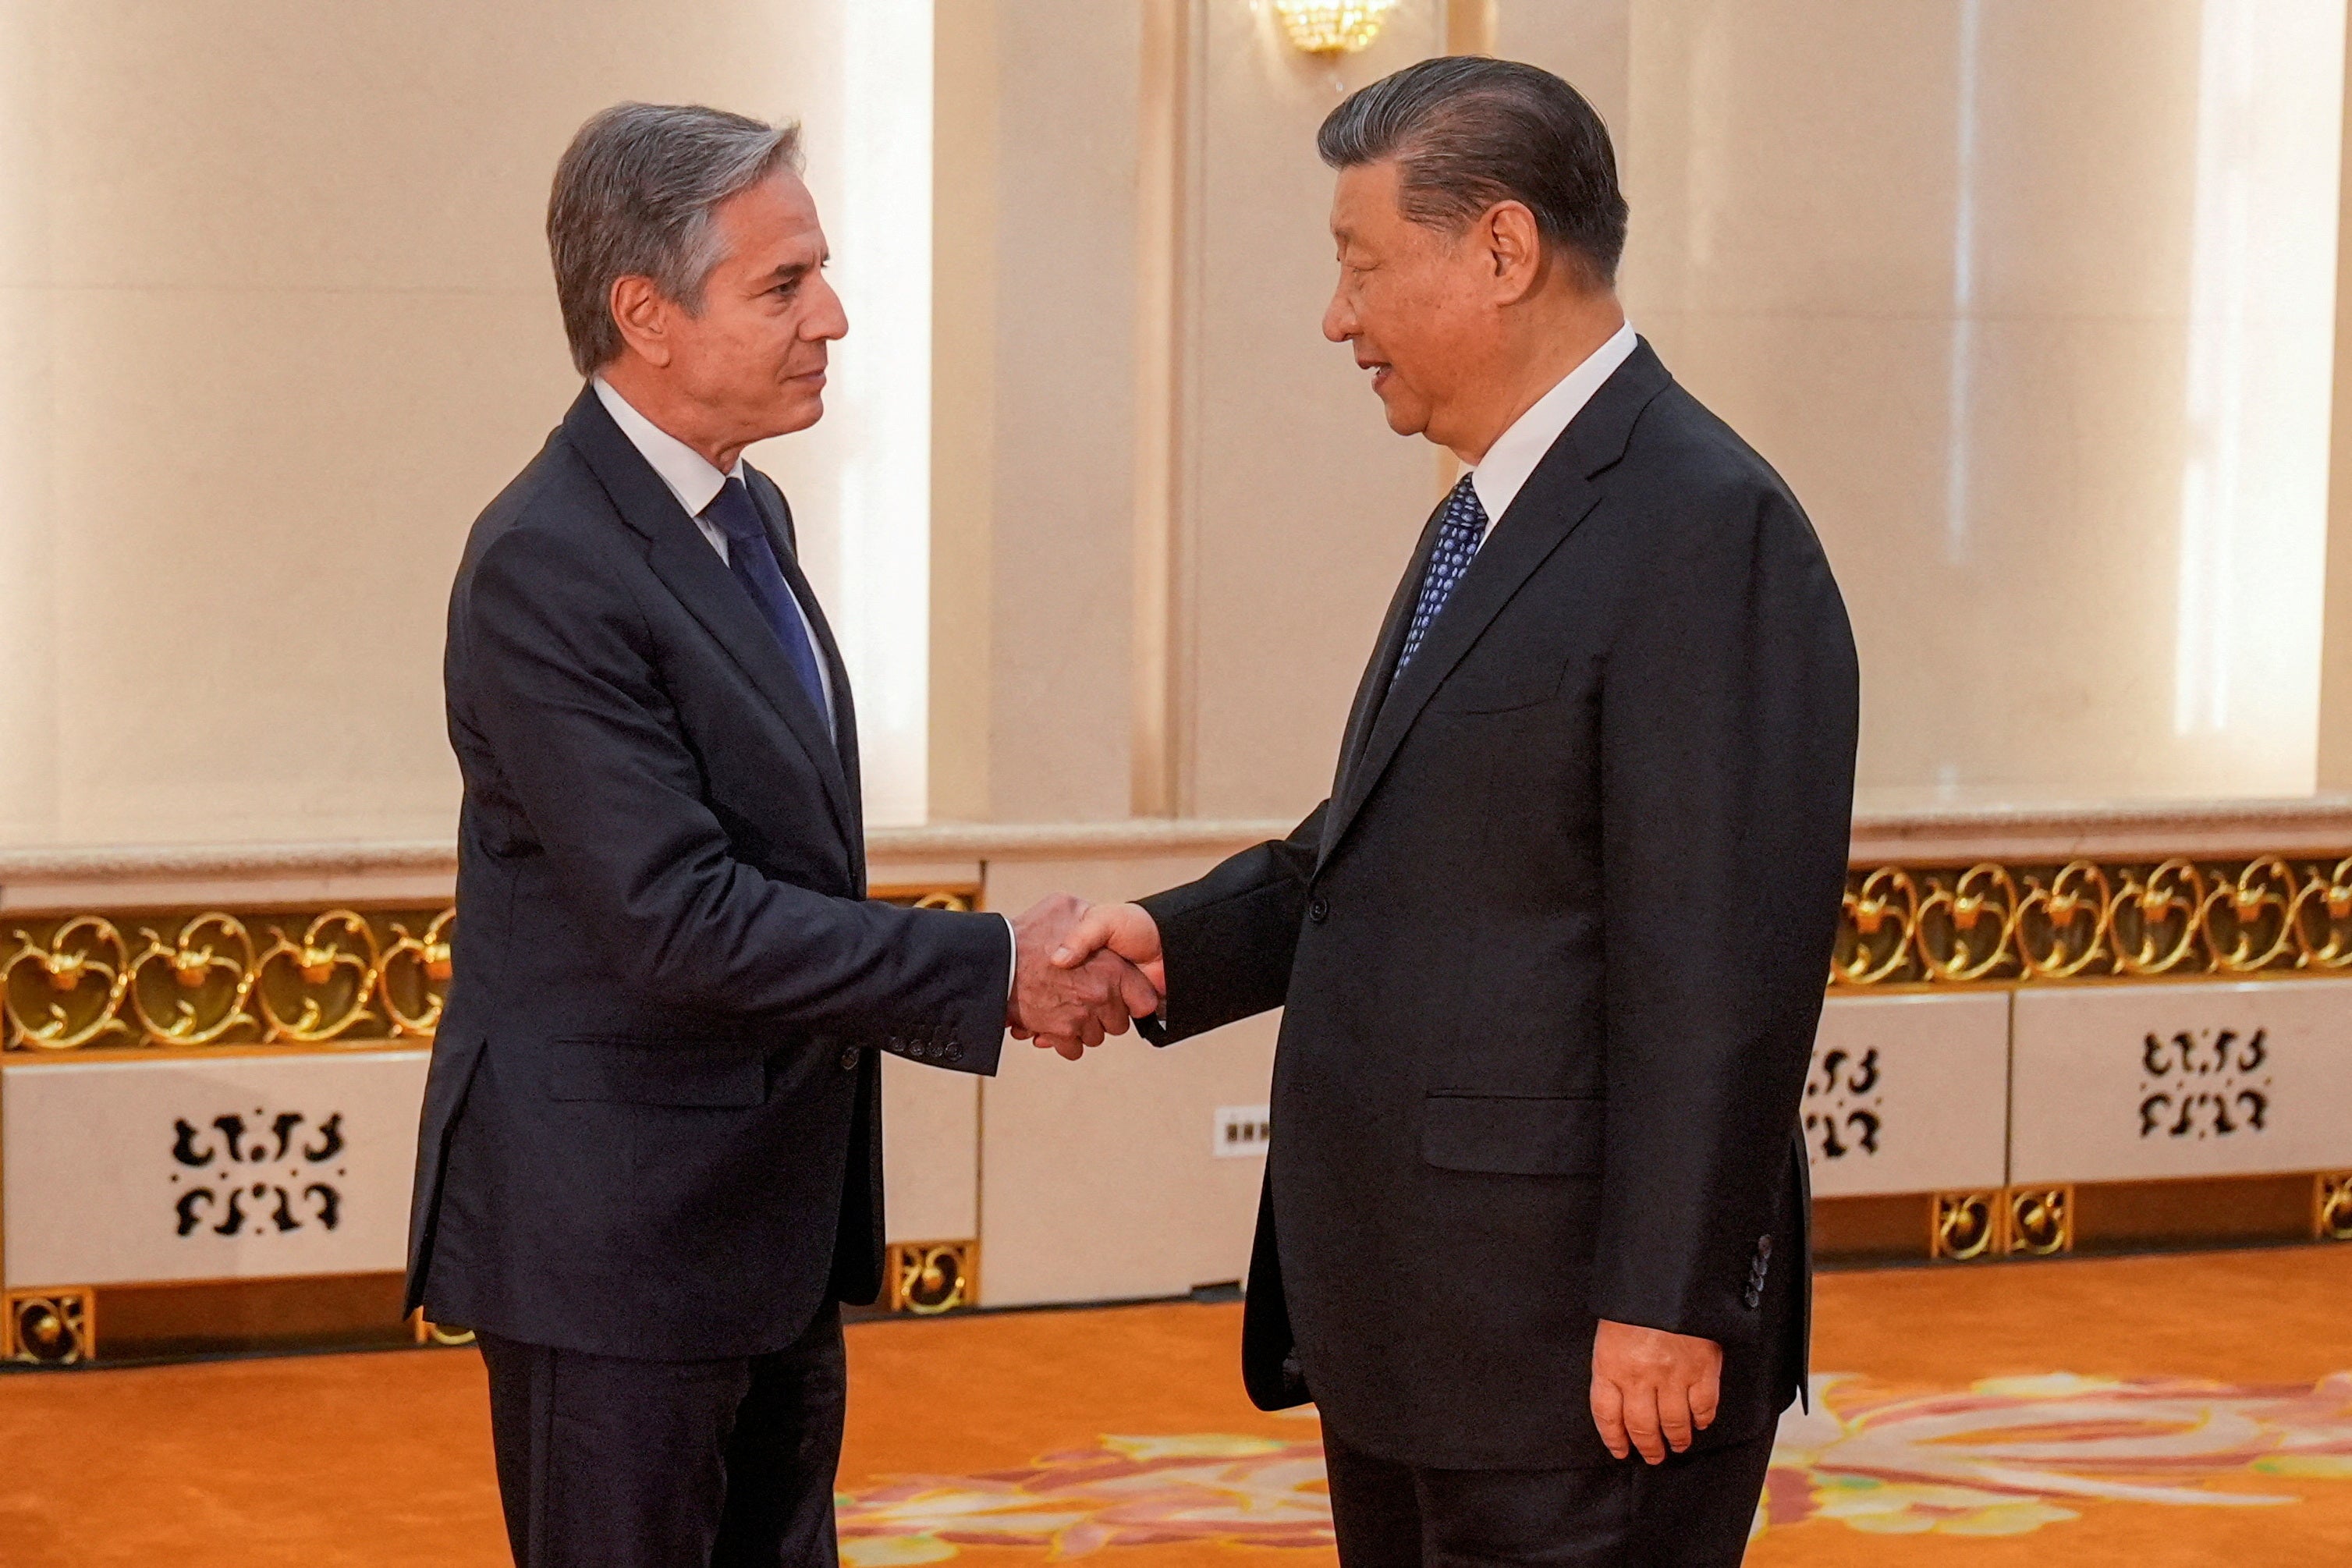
{"x": 1729, "y": 714}
{"x": 1229, "y": 938}
{"x": 565, "y": 688}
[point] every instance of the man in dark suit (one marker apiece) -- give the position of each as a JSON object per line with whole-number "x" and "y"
{"x": 651, "y": 1158}
{"x": 1553, "y": 952}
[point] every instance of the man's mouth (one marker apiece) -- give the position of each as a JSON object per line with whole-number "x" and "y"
{"x": 1381, "y": 371}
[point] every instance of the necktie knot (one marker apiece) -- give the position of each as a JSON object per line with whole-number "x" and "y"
{"x": 732, "y": 511}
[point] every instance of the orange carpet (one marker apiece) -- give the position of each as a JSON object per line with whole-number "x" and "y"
{"x": 2138, "y": 1412}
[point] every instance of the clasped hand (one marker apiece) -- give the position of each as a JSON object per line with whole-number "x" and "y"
{"x": 1071, "y": 987}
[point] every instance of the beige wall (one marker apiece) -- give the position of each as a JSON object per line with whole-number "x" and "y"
{"x": 277, "y": 323}
{"x": 2030, "y": 305}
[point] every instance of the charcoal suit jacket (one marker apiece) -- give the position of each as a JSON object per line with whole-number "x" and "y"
{"x": 1552, "y": 956}
{"x": 652, "y": 1126}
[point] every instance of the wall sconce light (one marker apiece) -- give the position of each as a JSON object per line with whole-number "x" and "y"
{"x": 1332, "y": 26}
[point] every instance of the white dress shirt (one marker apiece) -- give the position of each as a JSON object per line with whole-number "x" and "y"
{"x": 1504, "y": 470}
{"x": 696, "y": 484}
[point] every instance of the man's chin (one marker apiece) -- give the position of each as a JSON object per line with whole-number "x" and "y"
{"x": 1406, "y": 419}
{"x": 801, "y": 414}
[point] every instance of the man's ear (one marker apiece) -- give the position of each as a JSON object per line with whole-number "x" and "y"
{"x": 1514, "y": 246}
{"x": 643, "y": 317}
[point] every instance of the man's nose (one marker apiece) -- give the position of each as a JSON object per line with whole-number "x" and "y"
{"x": 826, "y": 320}
{"x": 1339, "y": 320}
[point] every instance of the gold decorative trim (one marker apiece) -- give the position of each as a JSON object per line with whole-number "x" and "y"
{"x": 2040, "y": 1222}
{"x": 52, "y": 1327}
{"x": 203, "y": 978}
{"x": 2002, "y": 1222}
{"x": 1993, "y": 924}
{"x": 926, "y": 1278}
{"x": 2331, "y": 1207}
{"x": 1967, "y": 1225}
{"x": 432, "y": 1333}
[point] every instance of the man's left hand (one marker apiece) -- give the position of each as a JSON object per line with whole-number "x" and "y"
{"x": 1652, "y": 1390}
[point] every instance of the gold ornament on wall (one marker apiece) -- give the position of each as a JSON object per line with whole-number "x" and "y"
{"x": 320, "y": 979}
{"x": 926, "y": 1278}
{"x": 1992, "y": 923}
{"x": 1332, "y": 26}
{"x": 49, "y": 1328}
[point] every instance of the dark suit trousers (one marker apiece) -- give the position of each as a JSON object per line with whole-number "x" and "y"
{"x": 621, "y": 1463}
{"x": 1693, "y": 1512}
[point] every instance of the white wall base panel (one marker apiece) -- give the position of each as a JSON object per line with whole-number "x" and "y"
{"x": 1909, "y": 1094}
{"x": 209, "y": 1167}
{"x": 2142, "y": 1082}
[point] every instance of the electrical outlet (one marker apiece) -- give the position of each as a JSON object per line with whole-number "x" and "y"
{"x": 1241, "y": 1132}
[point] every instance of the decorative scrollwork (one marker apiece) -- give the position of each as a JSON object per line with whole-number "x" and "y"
{"x": 2331, "y": 1207}
{"x": 2041, "y": 1221}
{"x": 2322, "y": 918}
{"x": 1964, "y": 928}
{"x": 63, "y": 994}
{"x": 2084, "y": 920}
{"x": 1874, "y": 934}
{"x": 319, "y": 988}
{"x": 926, "y": 1278}
{"x": 412, "y": 967}
{"x": 49, "y": 1328}
{"x": 2156, "y": 923}
{"x": 2062, "y": 928}
{"x": 200, "y": 981}
{"x": 2249, "y": 921}
{"x": 1966, "y": 1226}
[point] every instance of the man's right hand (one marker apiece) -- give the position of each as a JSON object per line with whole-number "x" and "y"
{"x": 1127, "y": 929}
{"x": 1069, "y": 1005}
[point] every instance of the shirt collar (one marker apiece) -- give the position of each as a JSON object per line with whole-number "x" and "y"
{"x": 1500, "y": 474}
{"x": 686, "y": 472}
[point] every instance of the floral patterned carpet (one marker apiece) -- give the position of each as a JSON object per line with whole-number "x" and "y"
{"x": 2136, "y": 1413}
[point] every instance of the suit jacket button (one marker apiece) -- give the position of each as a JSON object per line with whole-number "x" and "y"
{"x": 897, "y": 1043}
{"x": 953, "y": 1051}
{"x": 1763, "y": 1247}
{"x": 1318, "y": 911}
{"x": 849, "y": 1058}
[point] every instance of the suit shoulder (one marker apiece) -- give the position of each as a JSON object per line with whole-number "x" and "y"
{"x": 555, "y": 506}
{"x": 1680, "y": 435}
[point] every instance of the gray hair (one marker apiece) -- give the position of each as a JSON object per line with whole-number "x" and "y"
{"x": 633, "y": 197}
{"x": 1467, "y": 132}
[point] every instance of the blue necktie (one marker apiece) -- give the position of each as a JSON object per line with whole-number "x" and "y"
{"x": 1457, "y": 542}
{"x": 752, "y": 559}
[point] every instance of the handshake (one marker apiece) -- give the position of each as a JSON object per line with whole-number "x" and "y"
{"x": 1082, "y": 971}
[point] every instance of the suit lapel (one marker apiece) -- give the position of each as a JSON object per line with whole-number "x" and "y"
{"x": 684, "y": 562}
{"x": 1556, "y": 497}
{"x": 1375, "y": 683}
{"x": 778, "y": 514}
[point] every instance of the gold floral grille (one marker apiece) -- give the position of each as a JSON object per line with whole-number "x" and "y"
{"x": 2094, "y": 920}
{"x": 209, "y": 978}
{"x": 206, "y": 977}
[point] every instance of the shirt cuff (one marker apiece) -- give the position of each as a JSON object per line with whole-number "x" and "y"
{"x": 1013, "y": 957}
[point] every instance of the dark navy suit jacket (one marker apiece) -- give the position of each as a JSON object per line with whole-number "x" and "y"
{"x": 653, "y": 1122}
{"x": 1552, "y": 956}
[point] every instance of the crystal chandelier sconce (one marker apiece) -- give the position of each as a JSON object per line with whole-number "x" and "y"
{"x": 1332, "y": 26}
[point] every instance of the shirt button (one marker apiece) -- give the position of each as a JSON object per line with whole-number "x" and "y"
{"x": 849, "y": 1058}
{"x": 1318, "y": 911}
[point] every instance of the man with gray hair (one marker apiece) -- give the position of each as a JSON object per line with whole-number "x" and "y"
{"x": 1552, "y": 954}
{"x": 650, "y": 1164}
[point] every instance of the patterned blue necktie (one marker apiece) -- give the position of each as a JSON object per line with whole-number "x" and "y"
{"x": 1457, "y": 542}
{"x": 752, "y": 559}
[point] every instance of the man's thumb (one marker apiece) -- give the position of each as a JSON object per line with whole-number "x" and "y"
{"x": 1082, "y": 942}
